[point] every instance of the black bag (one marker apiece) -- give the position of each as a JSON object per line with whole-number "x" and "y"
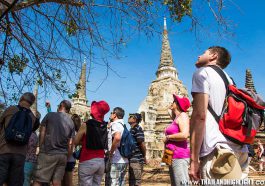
{"x": 19, "y": 127}
{"x": 96, "y": 135}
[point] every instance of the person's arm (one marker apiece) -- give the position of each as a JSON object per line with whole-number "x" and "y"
{"x": 48, "y": 106}
{"x": 115, "y": 142}
{"x": 42, "y": 134}
{"x": 43, "y": 130}
{"x": 79, "y": 135}
{"x": 143, "y": 150}
{"x": 197, "y": 129}
{"x": 184, "y": 126}
{"x": 70, "y": 147}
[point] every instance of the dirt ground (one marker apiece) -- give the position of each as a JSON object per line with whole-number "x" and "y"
{"x": 160, "y": 176}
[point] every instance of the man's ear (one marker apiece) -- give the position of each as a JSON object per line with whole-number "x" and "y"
{"x": 213, "y": 56}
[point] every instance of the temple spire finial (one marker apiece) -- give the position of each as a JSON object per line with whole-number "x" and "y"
{"x": 165, "y": 23}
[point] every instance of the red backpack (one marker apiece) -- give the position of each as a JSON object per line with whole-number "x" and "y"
{"x": 242, "y": 113}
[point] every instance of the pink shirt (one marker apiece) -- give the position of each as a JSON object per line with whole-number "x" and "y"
{"x": 180, "y": 148}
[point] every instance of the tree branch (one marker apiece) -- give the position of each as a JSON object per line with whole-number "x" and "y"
{"x": 26, "y": 4}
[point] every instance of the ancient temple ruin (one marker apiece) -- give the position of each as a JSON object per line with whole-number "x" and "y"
{"x": 249, "y": 84}
{"x": 154, "y": 108}
{"x": 249, "y": 81}
{"x": 80, "y": 103}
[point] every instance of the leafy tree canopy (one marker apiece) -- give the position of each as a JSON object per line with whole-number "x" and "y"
{"x": 45, "y": 40}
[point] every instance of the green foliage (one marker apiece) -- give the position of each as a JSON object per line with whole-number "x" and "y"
{"x": 75, "y": 95}
{"x": 58, "y": 74}
{"x": 40, "y": 81}
{"x": 71, "y": 27}
{"x": 17, "y": 64}
{"x": 179, "y": 8}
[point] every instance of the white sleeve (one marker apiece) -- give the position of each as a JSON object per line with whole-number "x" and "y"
{"x": 200, "y": 83}
{"x": 116, "y": 127}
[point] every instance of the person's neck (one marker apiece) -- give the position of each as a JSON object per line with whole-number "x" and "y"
{"x": 24, "y": 104}
{"x": 177, "y": 113}
{"x": 212, "y": 63}
{"x": 115, "y": 119}
{"x": 133, "y": 125}
{"x": 62, "y": 110}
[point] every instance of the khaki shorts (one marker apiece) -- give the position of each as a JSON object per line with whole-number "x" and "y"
{"x": 135, "y": 173}
{"x": 50, "y": 167}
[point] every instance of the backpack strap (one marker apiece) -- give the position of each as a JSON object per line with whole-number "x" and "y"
{"x": 226, "y": 82}
{"x": 122, "y": 125}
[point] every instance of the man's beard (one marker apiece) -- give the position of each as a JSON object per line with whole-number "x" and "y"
{"x": 199, "y": 64}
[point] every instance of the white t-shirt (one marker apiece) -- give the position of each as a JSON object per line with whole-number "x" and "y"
{"x": 207, "y": 80}
{"x": 116, "y": 126}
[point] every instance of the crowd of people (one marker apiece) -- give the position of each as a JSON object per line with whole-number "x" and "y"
{"x": 50, "y": 158}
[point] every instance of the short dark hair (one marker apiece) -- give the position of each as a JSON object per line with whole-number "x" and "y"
{"x": 66, "y": 104}
{"x": 119, "y": 112}
{"x": 224, "y": 56}
{"x": 28, "y": 97}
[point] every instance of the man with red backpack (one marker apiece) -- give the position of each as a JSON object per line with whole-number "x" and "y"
{"x": 215, "y": 152}
{"x": 16, "y": 125}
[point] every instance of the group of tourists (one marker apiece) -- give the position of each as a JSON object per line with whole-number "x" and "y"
{"x": 98, "y": 145}
{"x": 60, "y": 133}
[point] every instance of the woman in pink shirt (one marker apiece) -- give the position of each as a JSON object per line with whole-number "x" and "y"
{"x": 176, "y": 139}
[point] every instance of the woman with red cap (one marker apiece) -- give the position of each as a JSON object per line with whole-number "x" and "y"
{"x": 176, "y": 135}
{"x": 93, "y": 137}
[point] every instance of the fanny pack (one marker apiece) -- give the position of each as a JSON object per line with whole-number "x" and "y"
{"x": 167, "y": 156}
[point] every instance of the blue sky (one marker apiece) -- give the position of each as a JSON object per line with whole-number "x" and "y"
{"x": 141, "y": 59}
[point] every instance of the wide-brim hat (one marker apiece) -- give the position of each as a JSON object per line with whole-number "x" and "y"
{"x": 225, "y": 165}
{"x": 183, "y": 102}
{"x": 99, "y": 109}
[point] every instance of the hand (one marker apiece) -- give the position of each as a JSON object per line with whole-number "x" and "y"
{"x": 165, "y": 139}
{"x": 194, "y": 171}
{"x": 47, "y": 104}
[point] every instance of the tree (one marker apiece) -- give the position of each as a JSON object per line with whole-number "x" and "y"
{"x": 46, "y": 39}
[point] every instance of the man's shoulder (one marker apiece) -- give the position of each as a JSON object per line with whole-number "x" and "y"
{"x": 117, "y": 126}
{"x": 203, "y": 71}
{"x": 138, "y": 129}
{"x": 11, "y": 110}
